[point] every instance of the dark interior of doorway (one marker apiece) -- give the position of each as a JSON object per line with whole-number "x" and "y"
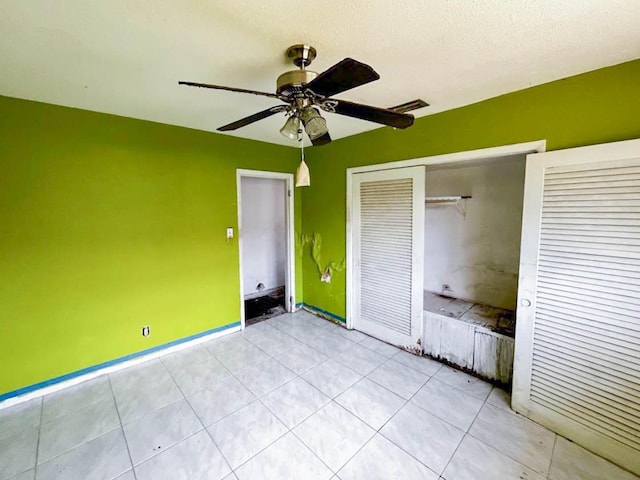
{"x": 264, "y": 307}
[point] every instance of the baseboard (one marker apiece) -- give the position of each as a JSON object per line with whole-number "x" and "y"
{"x": 55, "y": 384}
{"x": 325, "y": 313}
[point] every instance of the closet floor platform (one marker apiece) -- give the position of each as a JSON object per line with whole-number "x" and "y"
{"x": 496, "y": 319}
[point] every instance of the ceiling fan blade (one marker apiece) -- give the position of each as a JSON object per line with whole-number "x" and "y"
{"x": 230, "y": 89}
{"x": 374, "y": 114}
{"x": 322, "y": 140}
{"x": 343, "y": 76}
{"x": 253, "y": 118}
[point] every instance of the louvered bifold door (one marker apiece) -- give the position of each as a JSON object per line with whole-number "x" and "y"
{"x": 577, "y": 367}
{"x": 388, "y": 233}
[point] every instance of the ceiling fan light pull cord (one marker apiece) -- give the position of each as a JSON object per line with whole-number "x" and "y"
{"x": 302, "y": 173}
{"x": 301, "y": 144}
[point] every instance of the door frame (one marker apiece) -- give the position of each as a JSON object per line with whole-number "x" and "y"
{"x": 290, "y": 272}
{"x": 537, "y": 146}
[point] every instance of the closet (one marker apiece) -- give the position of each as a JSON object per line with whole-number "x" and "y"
{"x": 473, "y": 217}
{"x": 551, "y": 240}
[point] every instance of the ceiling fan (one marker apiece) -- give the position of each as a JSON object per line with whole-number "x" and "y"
{"x": 305, "y": 93}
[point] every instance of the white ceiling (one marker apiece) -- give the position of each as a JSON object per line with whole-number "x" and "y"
{"x": 126, "y": 56}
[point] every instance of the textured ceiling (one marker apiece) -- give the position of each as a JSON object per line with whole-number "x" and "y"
{"x": 126, "y": 56}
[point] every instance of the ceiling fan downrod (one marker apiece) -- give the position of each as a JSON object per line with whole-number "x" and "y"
{"x": 290, "y": 84}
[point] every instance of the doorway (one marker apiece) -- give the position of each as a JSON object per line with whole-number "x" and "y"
{"x": 265, "y": 239}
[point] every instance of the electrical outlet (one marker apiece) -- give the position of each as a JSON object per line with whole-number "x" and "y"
{"x": 146, "y": 331}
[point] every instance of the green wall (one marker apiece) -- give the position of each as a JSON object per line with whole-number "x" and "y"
{"x": 595, "y": 107}
{"x": 108, "y": 224}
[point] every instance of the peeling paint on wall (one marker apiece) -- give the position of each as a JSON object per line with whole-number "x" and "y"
{"x": 315, "y": 241}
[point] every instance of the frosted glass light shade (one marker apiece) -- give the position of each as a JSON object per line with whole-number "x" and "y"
{"x": 314, "y": 124}
{"x": 291, "y": 127}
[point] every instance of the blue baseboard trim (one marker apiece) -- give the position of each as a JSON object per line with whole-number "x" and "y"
{"x": 84, "y": 371}
{"x": 299, "y": 305}
{"x": 325, "y": 312}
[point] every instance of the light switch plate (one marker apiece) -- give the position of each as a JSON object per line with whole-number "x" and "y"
{"x": 229, "y": 233}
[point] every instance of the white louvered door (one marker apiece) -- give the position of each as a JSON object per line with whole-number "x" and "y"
{"x": 388, "y": 236}
{"x": 577, "y": 359}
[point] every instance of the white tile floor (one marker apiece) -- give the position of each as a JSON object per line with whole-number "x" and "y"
{"x": 295, "y": 397}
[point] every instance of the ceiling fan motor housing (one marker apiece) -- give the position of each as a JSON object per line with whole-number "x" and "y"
{"x": 292, "y": 82}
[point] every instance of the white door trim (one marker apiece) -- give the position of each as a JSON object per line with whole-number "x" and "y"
{"x": 468, "y": 156}
{"x": 290, "y": 272}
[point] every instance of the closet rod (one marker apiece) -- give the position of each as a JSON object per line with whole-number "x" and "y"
{"x": 447, "y": 199}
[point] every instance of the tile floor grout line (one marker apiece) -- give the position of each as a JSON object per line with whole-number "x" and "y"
{"x": 251, "y": 391}
{"x": 271, "y": 443}
{"x": 256, "y": 399}
{"x": 465, "y": 373}
{"x": 383, "y": 386}
{"x": 231, "y": 412}
{"x": 204, "y": 427}
{"x": 259, "y": 451}
{"x": 378, "y": 430}
{"x": 75, "y": 446}
{"x": 290, "y": 430}
{"x": 231, "y": 470}
{"x": 306, "y": 370}
{"x": 35, "y": 467}
{"x": 309, "y": 448}
{"x": 444, "y": 419}
{"x": 300, "y": 340}
{"x": 409, "y": 453}
{"x": 505, "y": 454}
{"x": 425, "y": 357}
{"x": 400, "y": 447}
{"x": 80, "y": 445}
{"x": 466, "y": 432}
{"x": 186, "y": 399}
{"x": 553, "y": 452}
{"x": 359, "y": 449}
{"x": 126, "y": 442}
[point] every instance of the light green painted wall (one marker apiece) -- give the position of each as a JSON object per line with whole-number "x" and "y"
{"x": 108, "y": 224}
{"x": 596, "y": 107}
